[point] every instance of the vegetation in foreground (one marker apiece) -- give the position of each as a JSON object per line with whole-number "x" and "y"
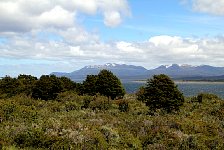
{"x": 73, "y": 120}
{"x": 86, "y": 122}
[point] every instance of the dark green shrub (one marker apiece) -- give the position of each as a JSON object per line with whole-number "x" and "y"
{"x": 212, "y": 144}
{"x": 203, "y": 96}
{"x": 129, "y": 141}
{"x": 123, "y": 105}
{"x": 36, "y": 138}
{"x": 1, "y": 145}
{"x": 189, "y": 143}
{"x": 175, "y": 125}
{"x": 94, "y": 140}
{"x": 69, "y": 106}
{"x": 195, "y": 99}
{"x": 57, "y": 107}
{"x": 100, "y": 103}
{"x": 33, "y": 138}
{"x": 161, "y": 93}
{"x": 87, "y": 101}
{"x": 111, "y": 136}
{"x": 8, "y": 110}
{"x": 69, "y": 96}
{"x": 208, "y": 96}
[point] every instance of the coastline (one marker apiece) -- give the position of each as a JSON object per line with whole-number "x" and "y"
{"x": 186, "y": 82}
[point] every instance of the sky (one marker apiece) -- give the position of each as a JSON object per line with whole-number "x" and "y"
{"x": 43, "y": 36}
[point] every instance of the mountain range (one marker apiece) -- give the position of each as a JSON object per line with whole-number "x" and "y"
{"x": 131, "y": 72}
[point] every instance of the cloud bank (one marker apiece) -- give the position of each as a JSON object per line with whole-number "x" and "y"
{"x": 155, "y": 50}
{"x": 209, "y": 6}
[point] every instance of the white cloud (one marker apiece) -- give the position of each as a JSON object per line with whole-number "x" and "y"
{"x": 56, "y": 17}
{"x": 75, "y": 51}
{"x": 209, "y": 6}
{"x": 128, "y": 47}
{"x": 165, "y": 40}
{"x": 24, "y": 16}
{"x": 176, "y": 45}
{"x": 112, "y": 19}
{"x": 89, "y": 6}
{"x": 114, "y": 11}
{"x": 78, "y": 35}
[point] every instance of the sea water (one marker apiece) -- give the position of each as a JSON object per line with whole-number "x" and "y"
{"x": 187, "y": 88}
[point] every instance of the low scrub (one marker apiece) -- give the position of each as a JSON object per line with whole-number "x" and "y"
{"x": 72, "y": 121}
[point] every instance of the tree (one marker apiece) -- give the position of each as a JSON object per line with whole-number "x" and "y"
{"x": 162, "y": 93}
{"x": 89, "y": 85}
{"x": 141, "y": 94}
{"x": 27, "y": 83}
{"x": 9, "y": 86}
{"x": 47, "y": 87}
{"x": 13, "y": 86}
{"x": 67, "y": 84}
{"x": 109, "y": 85}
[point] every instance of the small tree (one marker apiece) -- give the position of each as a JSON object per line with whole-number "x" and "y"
{"x": 109, "y": 85}
{"x": 162, "y": 93}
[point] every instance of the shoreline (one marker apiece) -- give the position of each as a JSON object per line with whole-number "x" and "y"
{"x": 185, "y": 82}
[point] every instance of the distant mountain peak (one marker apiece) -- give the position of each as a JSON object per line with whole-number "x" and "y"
{"x": 186, "y": 66}
{"x": 168, "y": 66}
{"x": 111, "y": 64}
{"x": 175, "y": 66}
{"x": 107, "y": 65}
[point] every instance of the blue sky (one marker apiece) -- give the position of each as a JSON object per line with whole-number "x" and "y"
{"x": 68, "y": 35}
{"x": 159, "y": 17}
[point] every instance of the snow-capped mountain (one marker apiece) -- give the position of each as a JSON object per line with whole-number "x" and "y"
{"x": 108, "y": 65}
{"x": 185, "y": 70}
{"x": 123, "y": 71}
{"x": 131, "y": 72}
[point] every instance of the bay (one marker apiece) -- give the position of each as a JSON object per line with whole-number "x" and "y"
{"x": 187, "y": 88}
